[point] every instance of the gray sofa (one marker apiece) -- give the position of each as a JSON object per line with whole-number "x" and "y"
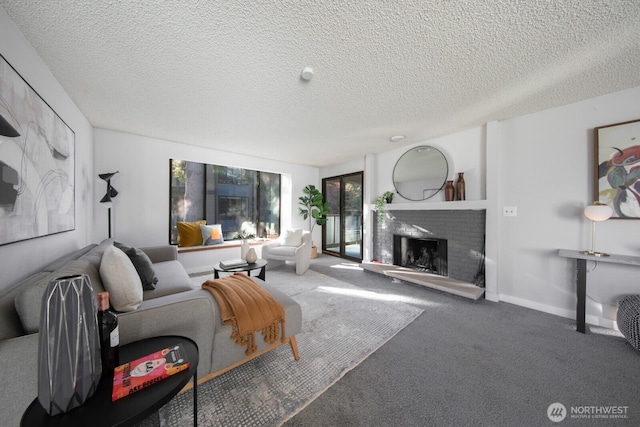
{"x": 176, "y": 306}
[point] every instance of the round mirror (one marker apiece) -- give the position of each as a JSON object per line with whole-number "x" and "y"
{"x": 420, "y": 173}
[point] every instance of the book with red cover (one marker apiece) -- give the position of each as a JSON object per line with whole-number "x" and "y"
{"x": 131, "y": 377}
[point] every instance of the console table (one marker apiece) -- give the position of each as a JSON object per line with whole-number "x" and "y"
{"x": 581, "y": 278}
{"x": 99, "y": 410}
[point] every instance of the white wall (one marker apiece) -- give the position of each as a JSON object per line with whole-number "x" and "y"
{"x": 140, "y": 212}
{"x": 465, "y": 152}
{"x": 22, "y": 258}
{"x": 547, "y": 172}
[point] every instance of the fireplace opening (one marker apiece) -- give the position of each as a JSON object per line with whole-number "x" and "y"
{"x": 422, "y": 254}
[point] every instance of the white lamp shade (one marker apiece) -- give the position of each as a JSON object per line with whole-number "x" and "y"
{"x": 598, "y": 212}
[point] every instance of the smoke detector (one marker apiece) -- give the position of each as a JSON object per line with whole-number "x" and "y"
{"x": 307, "y": 73}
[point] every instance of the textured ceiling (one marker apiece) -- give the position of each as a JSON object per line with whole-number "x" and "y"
{"x": 226, "y": 74}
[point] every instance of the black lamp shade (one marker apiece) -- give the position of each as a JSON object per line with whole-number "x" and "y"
{"x": 111, "y": 192}
{"x": 107, "y": 176}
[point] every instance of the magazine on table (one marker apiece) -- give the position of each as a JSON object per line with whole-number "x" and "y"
{"x": 131, "y": 377}
{"x": 233, "y": 263}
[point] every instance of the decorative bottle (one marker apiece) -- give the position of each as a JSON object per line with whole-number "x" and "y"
{"x": 449, "y": 191}
{"x": 460, "y": 190}
{"x": 109, "y": 335}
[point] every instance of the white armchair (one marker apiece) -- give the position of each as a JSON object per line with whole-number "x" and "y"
{"x": 293, "y": 245}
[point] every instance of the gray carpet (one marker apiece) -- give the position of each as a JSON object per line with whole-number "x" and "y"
{"x": 464, "y": 363}
{"x": 342, "y": 325}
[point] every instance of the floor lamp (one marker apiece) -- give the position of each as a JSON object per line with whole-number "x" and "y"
{"x": 111, "y": 193}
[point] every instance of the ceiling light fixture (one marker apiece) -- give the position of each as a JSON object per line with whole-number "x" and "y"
{"x": 397, "y": 138}
{"x": 307, "y": 73}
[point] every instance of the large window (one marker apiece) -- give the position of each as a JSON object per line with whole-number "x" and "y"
{"x": 239, "y": 199}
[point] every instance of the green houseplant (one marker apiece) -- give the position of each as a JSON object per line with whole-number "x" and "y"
{"x": 381, "y": 201}
{"x": 313, "y": 208}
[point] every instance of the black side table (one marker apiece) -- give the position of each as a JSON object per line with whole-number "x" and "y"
{"x": 259, "y": 264}
{"x": 99, "y": 410}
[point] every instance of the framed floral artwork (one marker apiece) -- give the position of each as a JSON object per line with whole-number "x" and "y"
{"x": 617, "y": 168}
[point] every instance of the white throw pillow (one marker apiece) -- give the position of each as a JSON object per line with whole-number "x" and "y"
{"x": 121, "y": 280}
{"x": 292, "y": 237}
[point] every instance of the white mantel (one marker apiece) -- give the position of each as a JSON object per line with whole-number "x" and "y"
{"x": 441, "y": 206}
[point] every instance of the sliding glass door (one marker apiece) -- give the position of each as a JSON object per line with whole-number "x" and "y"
{"x": 342, "y": 234}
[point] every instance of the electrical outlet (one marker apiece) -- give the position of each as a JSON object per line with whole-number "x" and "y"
{"x": 509, "y": 211}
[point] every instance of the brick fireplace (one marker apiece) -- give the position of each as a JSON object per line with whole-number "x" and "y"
{"x": 463, "y": 230}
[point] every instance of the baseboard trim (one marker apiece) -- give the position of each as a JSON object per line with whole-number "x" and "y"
{"x": 557, "y": 311}
{"x": 569, "y": 314}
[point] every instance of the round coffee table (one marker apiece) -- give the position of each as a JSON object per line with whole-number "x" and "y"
{"x": 99, "y": 410}
{"x": 259, "y": 264}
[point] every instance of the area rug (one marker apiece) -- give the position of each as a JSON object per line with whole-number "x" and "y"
{"x": 342, "y": 325}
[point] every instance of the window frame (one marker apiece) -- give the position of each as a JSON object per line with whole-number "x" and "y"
{"x": 211, "y": 186}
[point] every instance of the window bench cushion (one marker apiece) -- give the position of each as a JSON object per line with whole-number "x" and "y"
{"x": 225, "y": 245}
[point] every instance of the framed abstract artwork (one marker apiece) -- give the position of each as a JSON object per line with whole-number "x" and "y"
{"x": 37, "y": 163}
{"x": 617, "y": 168}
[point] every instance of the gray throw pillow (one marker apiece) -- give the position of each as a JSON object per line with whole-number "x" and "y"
{"x": 211, "y": 234}
{"x": 143, "y": 266}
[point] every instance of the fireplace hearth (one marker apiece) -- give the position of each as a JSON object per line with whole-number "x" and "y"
{"x": 427, "y": 255}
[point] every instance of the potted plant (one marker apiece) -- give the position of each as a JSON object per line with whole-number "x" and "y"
{"x": 381, "y": 201}
{"x": 314, "y": 209}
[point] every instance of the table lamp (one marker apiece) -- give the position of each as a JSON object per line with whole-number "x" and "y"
{"x": 596, "y": 212}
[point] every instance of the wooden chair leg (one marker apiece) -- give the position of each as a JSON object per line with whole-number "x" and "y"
{"x": 294, "y": 348}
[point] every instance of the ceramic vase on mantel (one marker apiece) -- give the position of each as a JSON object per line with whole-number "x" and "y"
{"x": 449, "y": 191}
{"x": 460, "y": 187}
{"x": 69, "y": 361}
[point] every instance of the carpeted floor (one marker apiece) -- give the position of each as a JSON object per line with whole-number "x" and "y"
{"x": 342, "y": 325}
{"x": 465, "y": 363}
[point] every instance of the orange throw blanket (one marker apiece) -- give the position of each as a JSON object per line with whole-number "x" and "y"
{"x": 248, "y": 308}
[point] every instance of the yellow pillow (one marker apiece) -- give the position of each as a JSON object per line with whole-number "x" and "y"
{"x": 189, "y": 233}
